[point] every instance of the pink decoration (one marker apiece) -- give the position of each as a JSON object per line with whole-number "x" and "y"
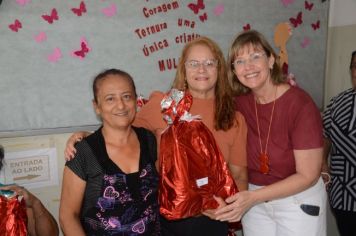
{"x": 306, "y": 41}
{"x": 79, "y": 11}
{"x": 40, "y": 37}
{"x": 246, "y": 27}
{"x": 15, "y": 26}
{"x": 316, "y": 25}
{"x": 296, "y": 21}
{"x": 84, "y": 49}
{"x": 203, "y": 17}
{"x": 287, "y": 2}
{"x": 308, "y": 6}
{"x": 55, "y": 55}
{"x": 23, "y": 2}
{"x": 110, "y": 10}
{"x": 219, "y": 9}
{"x": 52, "y": 17}
{"x": 195, "y": 7}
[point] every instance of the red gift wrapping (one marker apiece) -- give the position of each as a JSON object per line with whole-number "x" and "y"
{"x": 192, "y": 166}
{"x": 13, "y": 217}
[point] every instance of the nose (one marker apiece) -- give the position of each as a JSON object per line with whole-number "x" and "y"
{"x": 202, "y": 67}
{"x": 120, "y": 103}
{"x": 248, "y": 64}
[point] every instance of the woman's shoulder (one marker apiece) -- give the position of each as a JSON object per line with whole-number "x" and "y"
{"x": 156, "y": 95}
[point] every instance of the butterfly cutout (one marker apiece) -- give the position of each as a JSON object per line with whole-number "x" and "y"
{"x": 296, "y": 21}
{"x": 23, "y": 2}
{"x": 40, "y": 37}
{"x": 195, "y": 7}
{"x": 306, "y": 41}
{"x": 51, "y": 18}
{"x": 15, "y": 26}
{"x": 246, "y": 27}
{"x": 110, "y": 10}
{"x": 308, "y": 6}
{"x": 55, "y": 55}
{"x": 219, "y": 9}
{"x": 316, "y": 25}
{"x": 84, "y": 49}
{"x": 203, "y": 17}
{"x": 287, "y": 2}
{"x": 79, "y": 11}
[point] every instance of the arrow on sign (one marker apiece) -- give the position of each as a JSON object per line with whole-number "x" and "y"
{"x": 26, "y": 177}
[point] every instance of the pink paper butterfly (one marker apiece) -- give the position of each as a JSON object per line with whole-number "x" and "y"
{"x": 84, "y": 49}
{"x": 52, "y": 17}
{"x": 316, "y": 25}
{"x": 246, "y": 27}
{"x": 79, "y": 11}
{"x": 40, "y": 37}
{"x": 219, "y": 9}
{"x": 308, "y": 6}
{"x": 15, "y": 26}
{"x": 287, "y": 2}
{"x": 306, "y": 41}
{"x": 23, "y": 2}
{"x": 195, "y": 7}
{"x": 203, "y": 17}
{"x": 296, "y": 21}
{"x": 110, "y": 10}
{"x": 55, "y": 55}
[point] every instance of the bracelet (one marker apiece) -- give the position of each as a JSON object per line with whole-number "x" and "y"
{"x": 328, "y": 175}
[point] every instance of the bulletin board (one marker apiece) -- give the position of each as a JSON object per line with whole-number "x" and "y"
{"x": 52, "y": 49}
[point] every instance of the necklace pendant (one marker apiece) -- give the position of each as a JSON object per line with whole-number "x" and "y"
{"x": 264, "y": 166}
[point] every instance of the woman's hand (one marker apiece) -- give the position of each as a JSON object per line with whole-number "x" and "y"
{"x": 211, "y": 213}
{"x": 70, "y": 150}
{"x": 30, "y": 199}
{"x": 236, "y": 206}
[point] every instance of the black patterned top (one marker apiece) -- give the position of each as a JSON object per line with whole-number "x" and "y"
{"x": 116, "y": 203}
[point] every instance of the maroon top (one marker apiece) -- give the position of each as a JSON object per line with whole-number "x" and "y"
{"x": 296, "y": 125}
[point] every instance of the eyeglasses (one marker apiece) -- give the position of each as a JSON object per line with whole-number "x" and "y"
{"x": 208, "y": 64}
{"x": 254, "y": 59}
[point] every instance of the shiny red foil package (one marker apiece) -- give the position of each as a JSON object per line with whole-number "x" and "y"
{"x": 13, "y": 217}
{"x": 191, "y": 165}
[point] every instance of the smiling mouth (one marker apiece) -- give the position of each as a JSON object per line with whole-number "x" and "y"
{"x": 121, "y": 113}
{"x": 251, "y": 75}
{"x": 201, "y": 78}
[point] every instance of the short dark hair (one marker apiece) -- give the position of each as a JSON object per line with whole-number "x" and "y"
{"x": 353, "y": 55}
{"x": 108, "y": 72}
{"x": 1, "y": 155}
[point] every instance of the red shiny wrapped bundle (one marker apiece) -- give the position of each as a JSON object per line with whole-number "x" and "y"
{"x": 191, "y": 165}
{"x": 13, "y": 217}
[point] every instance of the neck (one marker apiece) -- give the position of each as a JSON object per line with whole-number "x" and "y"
{"x": 117, "y": 136}
{"x": 202, "y": 95}
{"x": 267, "y": 95}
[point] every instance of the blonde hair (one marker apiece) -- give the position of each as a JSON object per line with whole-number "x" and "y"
{"x": 256, "y": 40}
{"x": 224, "y": 109}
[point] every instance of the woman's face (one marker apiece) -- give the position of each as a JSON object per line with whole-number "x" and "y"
{"x": 353, "y": 72}
{"x": 201, "y": 71}
{"x": 252, "y": 67}
{"x": 116, "y": 102}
